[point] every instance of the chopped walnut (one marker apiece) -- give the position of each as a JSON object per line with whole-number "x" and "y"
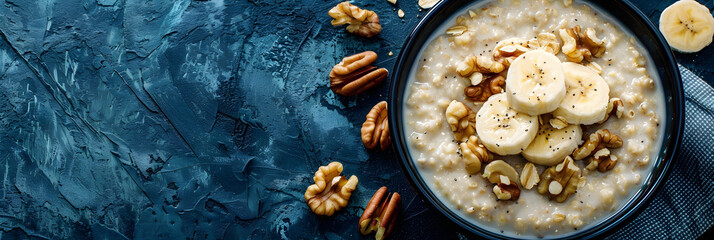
{"x": 506, "y": 51}
{"x": 506, "y": 190}
{"x": 602, "y": 160}
{"x": 461, "y": 119}
{"x": 481, "y": 92}
{"x": 494, "y": 170}
{"x": 600, "y": 139}
{"x": 380, "y": 214}
{"x": 375, "y": 130}
{"x": 354, "y": 74}
{"x": 331, "y": 191}
{"x": 474, "y": 154}
{"x": 480, "y": 64}
{"x": 558, "y": 122}
{"x": 581, "y": 45}
{"x": 614, "y": 107}
{"x": 529, "y": 176}
{"x": 361, "y": 22}
{"x": 559, "y": 182}
{"x": 426, "y": 4}
{"x": 545, "y": 41}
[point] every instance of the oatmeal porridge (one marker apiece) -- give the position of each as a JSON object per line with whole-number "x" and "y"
{"x": 533, "y": 117}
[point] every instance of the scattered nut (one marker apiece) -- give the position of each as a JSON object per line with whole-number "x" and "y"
{"x": 354, "y": 74}
{"x": 392, "y": 1}
{"x": 506, "y": 191}
{"x": 480, "y": 64}
{"x": 602, "y": 160}
{"x": 597, "y": 140}
{"x": 400, "y": 13}
{"x": 361, "y": 22}
{"x": 331, "y": 191}
{"x": 559, "y": 182}
{"x": 498, "y": 168}
{"x": 558, "y": 122}
{"x": 545, "y": 41}
{"x": 474, "y": 154}
{"x": 380, "y": 214}
{"x": 426, "y": 4}
{"x": 461, "y": 119}
{"x": 614, "y": 107}
{"x": 375, "y": 130}
{"x": 481, "y": 92}
{"x": 579, "y": 45}
{"x": 529, "y": 176}
{"x": 506, "y": 51}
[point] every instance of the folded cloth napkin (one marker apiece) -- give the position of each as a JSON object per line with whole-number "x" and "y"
{"x": 684, "y": 209}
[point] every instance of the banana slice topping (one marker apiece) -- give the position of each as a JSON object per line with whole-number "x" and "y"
{"x": 502, "y": 129}
{"x": 687, "y": 25}
{"x": 587, "y": 95}
{"x": 535, "y": 82}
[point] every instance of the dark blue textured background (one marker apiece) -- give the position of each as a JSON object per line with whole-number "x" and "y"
{"x": 194, "y": 119}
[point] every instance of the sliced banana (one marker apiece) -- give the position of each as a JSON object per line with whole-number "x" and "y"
{"x": 535, "y": 84}
{"x": 502, "y": 129}
{"x": 551, "y": 145}
{"x": 587, "y": 95}
{"x": 687, "y": 25}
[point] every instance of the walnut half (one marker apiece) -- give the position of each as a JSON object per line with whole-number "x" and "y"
{"x": 506, "y": 179}
{"x": 474, "y": 154}
{"x": 600, "y": 139}
{"x": 560, "y": 181}
{"x": 481, "y": 64}
{"x": 579, "y": 45}
{"x": 506, "y": 51}
{"x": 602, "y": 160}
{"x": 481, "y": 92}
{"x": 375, "y": 129}
{"x": 380, "y": 214}
{"x": 461, "y": 119}
{"x": 354, "y": 74}
{"x": 361, "y": 22}
{"x": 331, "y": 191}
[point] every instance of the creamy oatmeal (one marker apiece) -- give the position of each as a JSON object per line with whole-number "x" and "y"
{"x": 559, "y": 92}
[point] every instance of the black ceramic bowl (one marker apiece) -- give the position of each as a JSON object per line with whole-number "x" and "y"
{"x": 629, "y": 17}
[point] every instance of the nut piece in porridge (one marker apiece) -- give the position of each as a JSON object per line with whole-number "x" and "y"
{"x": 579, "y": 45}
{"x": 559, "y": 182}
{"x": 600, "y": 139}
{"x": 480, "y": 64}
{"x": 602, "y": 160}
{"x": 375, "y": 130}
{"x": 545, "y": 41}
{"x": 380, "y": 214}
{"x": 354, "y": 74}
{"x": 506, "y": 51}
{"x": 461, "y": 119}
{"x": 506, "y": 179}
{"x": 551, "y": 145}
{"x": 331, "y": 191}
{"x": 474, "y": 155}
{"x": 529, "y": 176}
{"x": 485, "y": 89}
{"x": 614, "y": 107}
{"x": 586, "y": 98}
{"x": 535, "y": 83}
{"x": 361, "y": 22}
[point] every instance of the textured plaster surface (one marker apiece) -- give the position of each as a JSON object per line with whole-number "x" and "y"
{"x": 192, "y": 119}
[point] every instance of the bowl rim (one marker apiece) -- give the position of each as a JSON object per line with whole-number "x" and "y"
{"x": 611, "y": 223}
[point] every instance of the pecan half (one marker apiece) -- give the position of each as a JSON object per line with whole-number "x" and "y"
{"x": 461, "y": 119}
{"x": 600, "y": 139}
{"x": 480, "y": 64}
{"x": 481, "y": 92}
{"x": 559, "y": 182}
{"x": 474, "y": 154}
{"x": 380, "y": 214}
{"x": 331, "y": 192}
{"x": 361, "y": 22}
{"x": 354, "y": 74}
{"x": 375, "y": 130}
{"x": 579, "y": 45}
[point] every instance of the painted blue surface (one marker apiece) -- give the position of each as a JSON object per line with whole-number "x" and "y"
{"x": 193, "y": 119}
